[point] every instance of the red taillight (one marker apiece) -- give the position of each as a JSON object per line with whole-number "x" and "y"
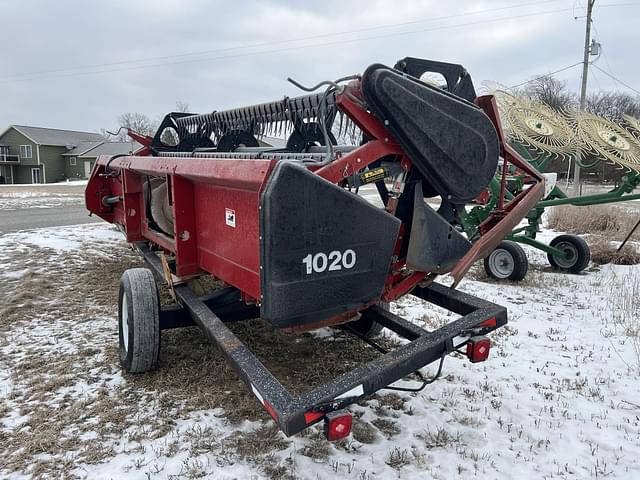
{"x": 478, "y": 349}
{"x": 337, "y": 425}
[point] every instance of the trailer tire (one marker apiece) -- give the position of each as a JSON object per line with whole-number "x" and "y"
{"x": 507, "y": 262}
{"x": 368, "y": 327}
{"x": 576, "y": 247}
{"x": 138, "y": 321}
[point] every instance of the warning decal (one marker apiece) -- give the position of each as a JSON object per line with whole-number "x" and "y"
{"x": 374, "y": 175}
{"x": 230, "y": 217}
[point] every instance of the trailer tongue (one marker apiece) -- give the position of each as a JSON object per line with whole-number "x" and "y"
{"x": 286, "y": 231}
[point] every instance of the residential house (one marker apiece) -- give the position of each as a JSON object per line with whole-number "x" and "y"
{"x": 47, "y": 155}
{"x": 79, "y": 160}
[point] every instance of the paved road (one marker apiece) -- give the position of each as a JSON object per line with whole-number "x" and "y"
{"x": 26, "y": 218}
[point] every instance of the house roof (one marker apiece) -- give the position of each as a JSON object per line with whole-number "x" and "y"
{"x": 82, "y": 147}
{"x": 95, "y": 149}
{"x": 112, "y": 148}
{"x": 56, "y": 137}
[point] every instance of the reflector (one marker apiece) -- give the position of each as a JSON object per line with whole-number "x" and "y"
{"x": 491, "y": 322}
{"x": 478, "y": 349}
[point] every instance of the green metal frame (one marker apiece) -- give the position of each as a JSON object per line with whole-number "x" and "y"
{"x": 526, "y": 235}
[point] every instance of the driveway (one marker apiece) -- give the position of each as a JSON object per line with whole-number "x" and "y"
{"x": 25, "y": 207}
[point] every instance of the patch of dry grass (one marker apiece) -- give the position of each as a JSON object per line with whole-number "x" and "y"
{"x": 603, "y": 252}
{"x": 398, "y": 458}
{"x": 386, "y": 426}
{"x": 392, "y": 401}
{"x": 265, "y": 439}
{"x": 612, "y": 221}
{"x": 316, "y": 445}
{"x": 603, "y": 224}
{"x": 441, "y": 438}
{"x": 364, "y": 432}
{"x": 623, "y": 298}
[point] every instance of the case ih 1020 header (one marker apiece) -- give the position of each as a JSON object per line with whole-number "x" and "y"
{"x": 286, "y": 232}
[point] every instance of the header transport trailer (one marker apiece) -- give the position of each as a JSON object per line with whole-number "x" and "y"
{"x": 287, "y": 233}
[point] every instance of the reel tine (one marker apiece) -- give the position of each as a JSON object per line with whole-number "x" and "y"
{"x": 263, "y": 116}
{"x": 238, "y": 119}
{"x": 270, "y": 119}
{"x": 288, "y": 114}
{"x": 253, "y": 120}
{"x": 218, "y": 122}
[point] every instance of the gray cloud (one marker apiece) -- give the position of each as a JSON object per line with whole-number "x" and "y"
{"x": 49, "y": 36}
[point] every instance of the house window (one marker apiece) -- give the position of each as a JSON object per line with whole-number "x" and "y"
{"x": 72, "y": 161}
{"x": 26, "y": 151}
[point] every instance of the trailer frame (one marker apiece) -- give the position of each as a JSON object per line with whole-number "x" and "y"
{"x": 294, "y": 414}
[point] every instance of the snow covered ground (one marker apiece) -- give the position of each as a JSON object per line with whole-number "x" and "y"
{"x": 558, "y": 398}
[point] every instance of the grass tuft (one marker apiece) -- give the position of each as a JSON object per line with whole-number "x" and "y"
{"x": 609, "y": 220}
{"x": 603, "y": 252}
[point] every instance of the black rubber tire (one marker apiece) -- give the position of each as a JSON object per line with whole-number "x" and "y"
{"x": 579, "y": 249}
{"x": 139, "y": 307}
{"x": 368, "y": 327}
{"x": 514, "y": 265}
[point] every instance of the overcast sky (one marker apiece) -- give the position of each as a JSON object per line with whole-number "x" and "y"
{"x": 79, "y": 64}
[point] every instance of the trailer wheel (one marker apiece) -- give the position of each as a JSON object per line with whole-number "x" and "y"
{"x": 368, "y": 327}
{"x": 577, "y": 251}
{"x": 139, "y": 321}
{"x": 507, "y": 262}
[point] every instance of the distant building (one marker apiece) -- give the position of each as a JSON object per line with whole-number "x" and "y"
{"x": 47, "y": 155}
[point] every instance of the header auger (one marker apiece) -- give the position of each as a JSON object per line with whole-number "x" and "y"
{"x": 288, "y": 234}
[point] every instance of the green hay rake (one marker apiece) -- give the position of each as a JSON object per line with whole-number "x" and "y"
{"x": 541, "y": 135}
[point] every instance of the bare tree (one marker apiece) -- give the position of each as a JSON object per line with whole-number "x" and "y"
{"x": 550, "y": 91}
{"x": 138, "y": 122}
{"x": 613, "y": 104}
{"x": 105, "y": 133}
{"x": 181, "y": 107}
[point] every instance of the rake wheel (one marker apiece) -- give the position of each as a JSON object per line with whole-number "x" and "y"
{"x": 634, "y": 125}
{"x": 539, "y": 127}
{"x": 608, "y": 140}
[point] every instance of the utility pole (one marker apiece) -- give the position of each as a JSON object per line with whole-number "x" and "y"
{"x": 583, "y": 88}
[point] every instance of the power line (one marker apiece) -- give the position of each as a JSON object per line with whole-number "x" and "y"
{"x": 616, "y": 79}
{"x": 602, "y": 49}
{"x": 275, "y": 42}
{"x": 546, "y": 75}
{"x": 595, "y": 78}
{"x": 630, "y": 4}
{"x": 300, "y": 47}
